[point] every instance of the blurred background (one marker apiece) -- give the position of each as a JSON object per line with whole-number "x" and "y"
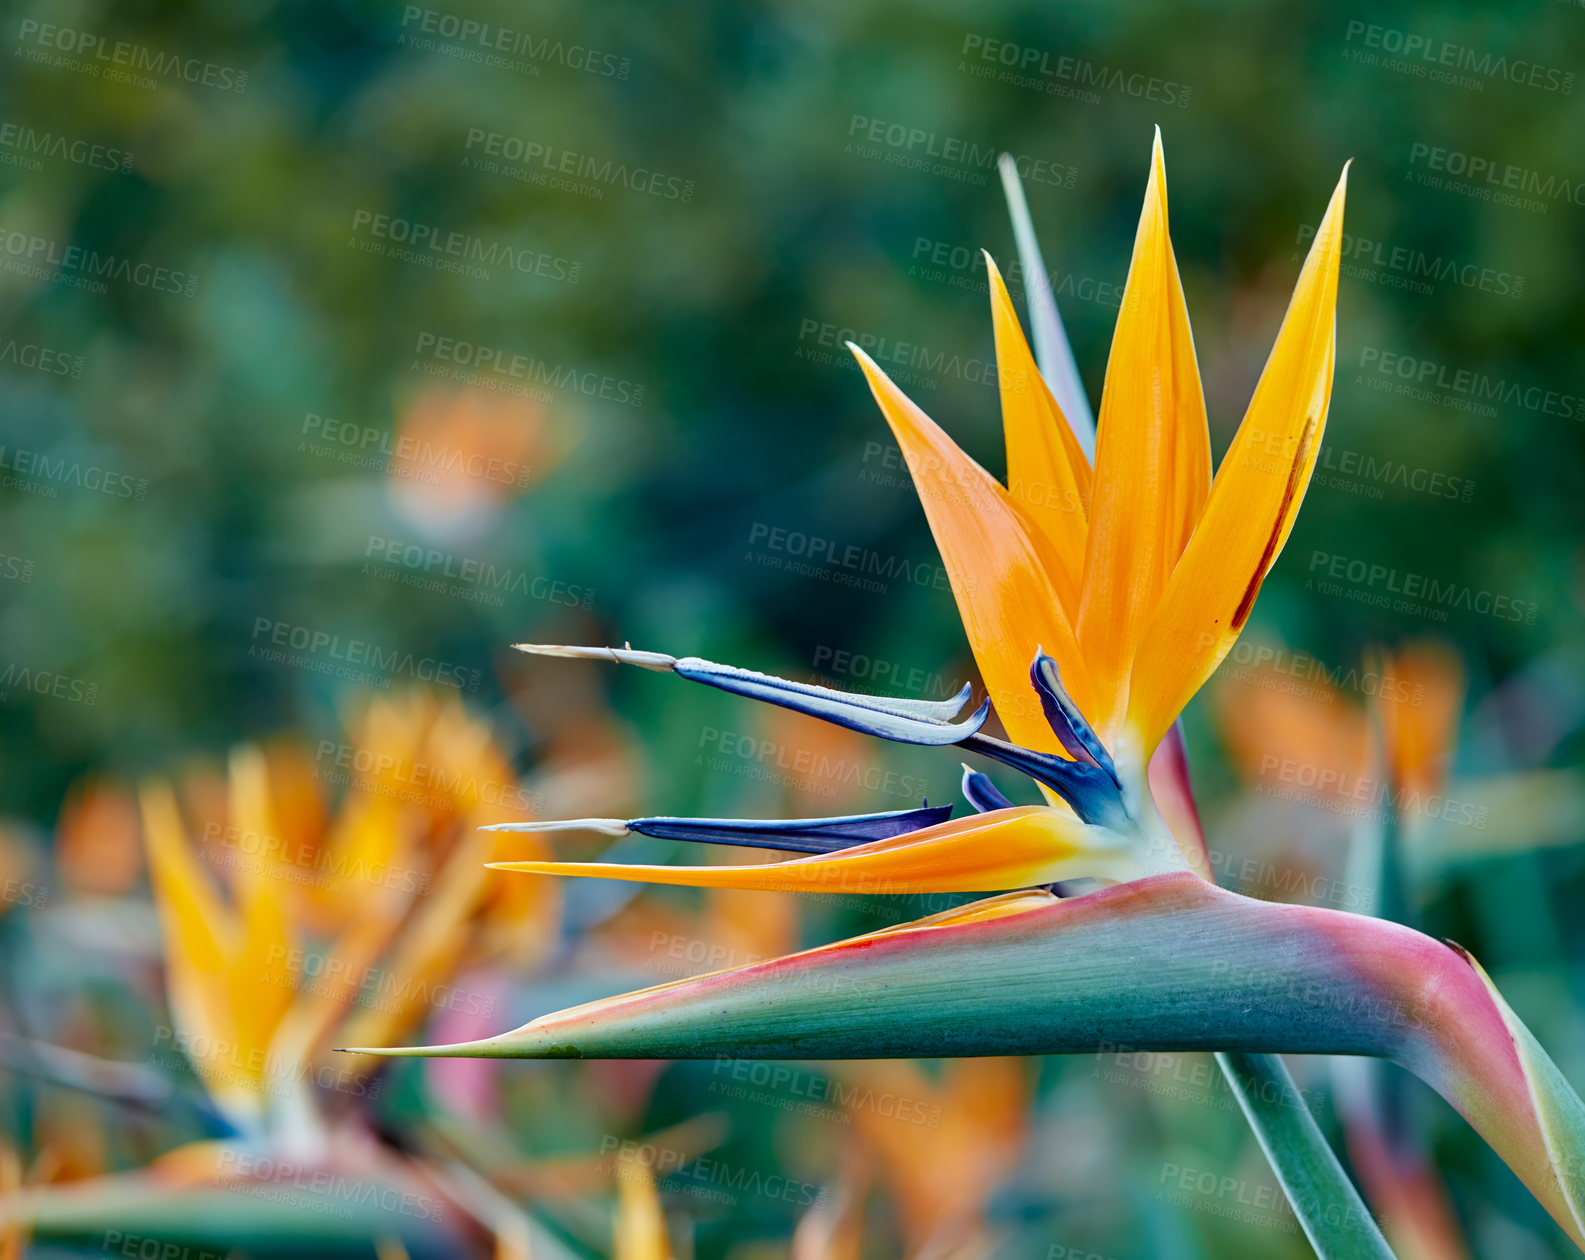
{"x": 344, "y": 345}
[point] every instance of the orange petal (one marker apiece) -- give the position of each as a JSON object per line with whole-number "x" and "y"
{"x": 1006, "y": 848}
{"x": 1266, "y": 721}
{"x": 1253, "y": 501}
{"x": 1152, "y": 460}
{"x": 262, "y": 981}
{"x": 640, "y": 1224}
{"x": 1005, "y": 595}
{"x": 1048, "y": 474}
{"x": 202, "y": 939}
{"x": 976, "y": 1112}
{"x": 1419, "y": 718}
{"x": 96, "y": 839}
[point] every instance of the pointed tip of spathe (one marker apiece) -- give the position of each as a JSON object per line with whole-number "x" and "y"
{"x": 536, "y": 1039}
{"x": 500, "y": 1047}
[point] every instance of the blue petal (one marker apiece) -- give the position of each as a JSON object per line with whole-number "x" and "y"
{"x": 981, "y": 792}
{"x": 890, "y": 717}
{"x": 799, "y": 835}
{"x": 1074, "y": 733}
{"x": 1093, "y": 794}
{"x": 907, "y": 721}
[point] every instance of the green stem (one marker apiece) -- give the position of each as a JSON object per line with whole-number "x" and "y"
{"x": 1329, "y": 1209}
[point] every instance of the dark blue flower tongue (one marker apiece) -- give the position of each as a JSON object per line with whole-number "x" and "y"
{"x": 981, "y": 793}
{"x": 1091, "y": 791}
{"x": 1088, "y": 782}
{"x": 797, "y": 835}
{"x": 1072, "y": 730}
{"x": 906, "y": 721}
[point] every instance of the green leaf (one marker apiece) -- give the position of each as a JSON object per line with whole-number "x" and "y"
{"x": 290, "y": 1212}
{"x": 273, "y": 1220}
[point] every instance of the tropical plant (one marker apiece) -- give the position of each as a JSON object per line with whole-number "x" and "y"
{"x": 1097, "y": 601}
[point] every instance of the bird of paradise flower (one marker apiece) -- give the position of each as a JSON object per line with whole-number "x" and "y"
{"x": 268, "y": 955}
{"x": 1096, "y": 602}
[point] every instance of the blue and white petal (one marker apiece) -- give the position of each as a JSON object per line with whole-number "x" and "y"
{"x": 901, "y": 719}
{"x": 796, "y": 835}
{"x": 981, "y": 793}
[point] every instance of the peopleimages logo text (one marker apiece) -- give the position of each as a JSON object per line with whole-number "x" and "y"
{"x": 1388, "y": 587}
{"x": 1059, "y": 75}
{"x": 526, "y": 367}
{"x": 1497, "y": 176}
{"x": 896, "y": 353}
{"x": 494, "y": 45}
{"x": 79, "y": 266}
{"x": 539, "y": 157}
{"x": 28, "y": 143}
{"x": 1483, "y": 390}
{"x": 916, "y": 148}
{"x": 119, "y": 58}
{"x": 425, "y": 243}
{"x": 1434, "y": 52}
{"x": 1413, "y": 269}
{"x": 283, "y": 636}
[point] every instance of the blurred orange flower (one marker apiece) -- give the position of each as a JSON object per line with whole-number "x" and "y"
{"x": 460, "y": 455}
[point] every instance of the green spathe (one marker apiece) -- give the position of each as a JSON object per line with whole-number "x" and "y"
{"x": 1165, "y": 963}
